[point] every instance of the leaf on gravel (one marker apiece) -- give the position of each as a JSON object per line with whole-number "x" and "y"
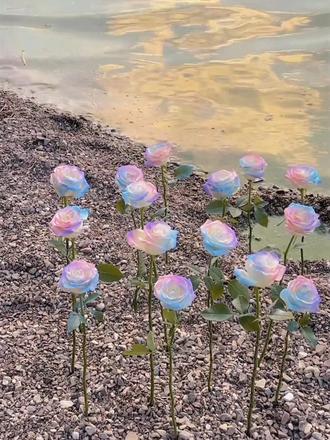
{"x": 309, "y": 335}
{"x": 236, "y": 289}
{"x": 59, "y": 245}
{"x": 281, "y": 315}
{"x": 109, "y": 273}
{"x": 249, "y": 323}
{"x": 218, "y": 312}
{"x": 261, "y": 216}
{"x": 74, "y": 322}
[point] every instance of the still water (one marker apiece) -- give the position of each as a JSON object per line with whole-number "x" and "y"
{"x": 216, "y": 77}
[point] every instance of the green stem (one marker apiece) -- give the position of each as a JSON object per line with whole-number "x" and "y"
{"x": 302, "y": 260}
{"x": 285, "y": 352}
{"x": 138, "y": 253}
{"x": 255, "y": 364}
{"x": 161, "y": 307}
{"x": 170, "y": 381}
{"x": 165, "y": 188}
{"x": 84, "y": 352}
{"x": 151, "y": 356}
{"x": 266, "y": 344}
{"x": 224, "y": 207}
{"x": 73, "y": 307}
{"x": 249, "y": 215}
{"x": 133, "y": 219}
{"x": 142, "y": 217}
{"x": 287, "y": 249}
{"x": 210, "y": 331}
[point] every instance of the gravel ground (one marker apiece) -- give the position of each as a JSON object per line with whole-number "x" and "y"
{"x": 38, "y": 398}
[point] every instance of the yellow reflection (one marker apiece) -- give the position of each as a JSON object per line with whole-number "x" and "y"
{"x": 242, "y": 103}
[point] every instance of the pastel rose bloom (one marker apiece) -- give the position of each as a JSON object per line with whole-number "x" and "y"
{"x": 301, "y": 296}
{"x": 140, "y": 194}
{"x": 158, "y": 155}
{"x": 155, "y": 238}
{"x": 69, "y": 221}
{"x": 69, "y": 181}
{"x": 302, "y": 176}
{"x": 174, "y": 292}
{"x": 128, "y": 174}
{"x": 218, "y": 238}
{"x": 221, "y": 184}
{"x": 79, "y": 277}
{"x": 253, "y": 165}
{"x": 262, "y": 269}
{"x": 301, "y": 219}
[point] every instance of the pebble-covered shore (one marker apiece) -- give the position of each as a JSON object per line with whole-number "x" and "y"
{"x": 39, "y": 400}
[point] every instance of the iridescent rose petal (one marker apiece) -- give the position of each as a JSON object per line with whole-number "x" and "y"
{"x": 128, "y": 174}
{"x": 68, "y": 222}
{"x": 302, "y": 176}
{"x": 218, "y": 238}
{"x": 79, "y": 277}
{"x": 155, "y": 239}
{"x": 301, "y": 219}
{"x": 262, "y": 269}
{"x": 253, "y": 165}
{"x": 222, "y": 184}
{"x": 69, "y": 181}
{"x": 158, "y": 155}
{"x": 140, "y": 194}
{"x": 301, "y": 296}
{"x": 174, "y": 292}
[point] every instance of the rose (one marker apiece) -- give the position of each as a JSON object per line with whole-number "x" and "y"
{"x": 69, "y": 181}
{"x": 218, "y": 238}
{"x": 128, "y": 174}
{"x": 253, "y": 165}
{"x": 221, "y": 184}
{"x": 158, "y": 155}
{"x": 79, "y": 277}
{"x": 301, "y": 176}
{"x": 68, "y": 222}
{"x": 155, "y": 238}
{"x": 140, "y": 194}
{"x": 262, "y": 269}
{"x": 300, "y": 219}
{"x": 301, "y": 296}
{"x": 174, "y": 292}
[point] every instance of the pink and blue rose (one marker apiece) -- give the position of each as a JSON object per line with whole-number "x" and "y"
{"x": 262, "y": 269}
{"x": 302, "y": 176}
{"x": 128, "y": 174}
{"x": 155, "y": 238}
{"x": 174, "y": 292}
{"x": 79, "y": 277}
{"x": 140, "y": 194}
{"x": 301, "y": 296}
{"x": 69, "y": 181}
{"x": 222, "y": 184}
{"x": 158, "y": 155}
{"x": 253, "y": 165}
{"x": 68, "y": 222}
{"x": 301, "y": 219}
{"x": 218, "y": 238}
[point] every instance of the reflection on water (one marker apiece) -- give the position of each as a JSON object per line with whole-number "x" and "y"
{"x": 216, "y": 77}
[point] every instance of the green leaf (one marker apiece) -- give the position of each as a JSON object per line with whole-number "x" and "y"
{"x": 170, "y": 316}
{"x": 258, "y": 201}
{"x": 249, "y": 323}
{"x": 234, "y": 212}
{"x": 120, "y": 206}
{"x": 74, "y": 322}
{"x": 137, "y": 350}
{"x": 183, "y": 171}
{"x": 151, "y": 342}
{"x": 109, "y": 273}
{"x": 309, "y": 335}
{"x": 98, "y": 315}
{"x": 195, "y": 269}
{"x": 236, "y": 289}
{"x": 59, "y": 245}
{"x": 305, "y": 320}
{"x": 195, "y": 281}
{"x": 142, "y": 268}
{"x": 293, "y": 326}
{"x": 92, "y": 297}
{"x": 160, "y": 213}
{"x": 216, "y": 273}
{"x": 215, "y": 207}
{"x": 215, "y": 287}
{"x": 241, "y": 201}
{"x": 261, "y": 216}
{"x": 281, "y": 315}
{"x": 241, "y": 303}
{"x": 248, "y": 207}
{"x": 218, "y": 312}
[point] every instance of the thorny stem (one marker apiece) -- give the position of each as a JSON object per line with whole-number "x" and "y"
{"x": 170, "y": 380}
{"x": 165, "y": 193}
{"x": 210, "y": 330}
{"x": 249, "y": 215}
{"x": 138, "y": 253}
{"x": 302, "y": 260}
{"x": 224, "y": 207}
{"x": 84, "y": 351}
{"x": 287, "y": 249}
{"x": 161, "y": 307}
{"x": 255, "y": 364}
{"x": 266, "y": 344}
{"x": 285, "y": 352}
{"x": 151, "y": 356}
{"x": 142, "y": 217}
{"x": 73, "y": 307}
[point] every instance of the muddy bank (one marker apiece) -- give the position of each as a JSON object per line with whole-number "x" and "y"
{"x": 34, "y": 348}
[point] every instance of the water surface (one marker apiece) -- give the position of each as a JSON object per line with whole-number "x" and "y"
{"x": 218, "y": 78}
